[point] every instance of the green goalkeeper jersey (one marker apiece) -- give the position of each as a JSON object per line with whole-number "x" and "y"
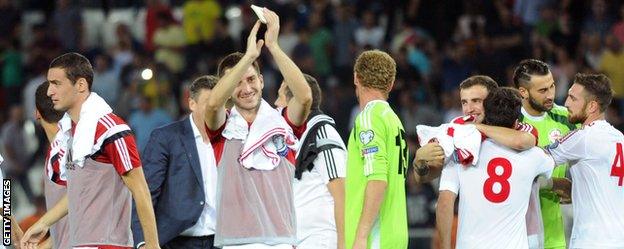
{"x": 551, "y": 126}
{"x": 377, "y": 150}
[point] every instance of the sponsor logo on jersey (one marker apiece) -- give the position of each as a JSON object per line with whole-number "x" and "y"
{"x": 370, "y": 150}
{"x": 366, "y": 136}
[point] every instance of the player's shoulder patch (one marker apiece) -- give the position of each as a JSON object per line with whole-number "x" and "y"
{"x": 370, "y": 150}
{"x": 366, "y": 136}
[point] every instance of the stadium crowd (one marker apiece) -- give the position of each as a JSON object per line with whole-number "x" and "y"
{"x": 145, "y": 73}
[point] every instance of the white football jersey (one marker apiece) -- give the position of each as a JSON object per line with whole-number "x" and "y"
{"x": 494, "y": 195}
{"x": 597, "y": 168}
{"x": 314, "y": 204}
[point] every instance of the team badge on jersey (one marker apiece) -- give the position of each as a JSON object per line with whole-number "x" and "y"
{"x": 366, "y": 136}
{"x": 554, "y": 135}
{"x": 280, "y": 145}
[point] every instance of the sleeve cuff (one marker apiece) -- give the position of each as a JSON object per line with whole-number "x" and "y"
{"x": 140, "y": 244}
{"x": 450, "y": 186}
{"x": 377, "y": 177}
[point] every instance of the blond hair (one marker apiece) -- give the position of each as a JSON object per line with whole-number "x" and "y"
{"x": 375, "y": 69}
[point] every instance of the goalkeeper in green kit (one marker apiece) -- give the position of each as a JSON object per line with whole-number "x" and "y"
{"x": 535, "y": 81}
{"x": 375, "y": 210}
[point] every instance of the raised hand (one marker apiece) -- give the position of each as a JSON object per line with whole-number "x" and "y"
{"x": 273, "y": 26}
{"x": 254, "y": 47}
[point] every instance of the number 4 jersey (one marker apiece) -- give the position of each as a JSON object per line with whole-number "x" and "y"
{"x": 597, "y": 169}
{"x": 494, "y": 195}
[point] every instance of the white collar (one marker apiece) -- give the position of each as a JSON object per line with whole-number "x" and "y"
{"x": 196, "y": 132}
{"x": 372, "y": 102}
{"x": 531, "y": 117}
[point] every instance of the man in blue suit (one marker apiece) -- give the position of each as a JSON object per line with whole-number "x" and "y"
{"x": 181, "y": 172}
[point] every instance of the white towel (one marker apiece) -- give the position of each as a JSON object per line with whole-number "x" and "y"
{"x": 82, "y": 144}
{"x": 459, "y": 142}
{"x": 58, "y": 146}
{"x": 268, "y": 138}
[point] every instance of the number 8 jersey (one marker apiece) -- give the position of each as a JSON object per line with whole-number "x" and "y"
{"x": 494, "y": 195}
{"x": 597, "y": 169}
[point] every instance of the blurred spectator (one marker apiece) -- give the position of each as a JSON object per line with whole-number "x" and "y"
{"x": 67, "y": 20}
{"x": 547, "y": 22}
{"x": 455, "y": 67}
{"x": 12, "y": 73}
{"x": 472, "y": 23}
{"x": 288, "y": 37}
{"x": 369, "y": 34}
{"x": 563, "y": 72}
{"x": 42, "y": 50}
{"x": 153, "y": 9}
{"x": 593, "y": 51}
{"x": 106, "y": 78}
{"x": 222, "y": 44}
{"x": 201, "y": 19}
{"x": 10, "y": 20}
{"x": 320, "y": 44}
{"x": 302, "y": 53}
{"x": 169, "y": 41}
{"x": 20, "y": 143}
{"x": 528, "y": 10}
{"x": 145, "y": 120}
{"x": 451, "y": 106}
{"x": 598, "y": 21}
{"x": 618, "y": 28}
{"x": 123, "y": 51}
{"x": 414, "y": 113}
{"x": 611, "y": 65}
{"x": 343, "y": 30}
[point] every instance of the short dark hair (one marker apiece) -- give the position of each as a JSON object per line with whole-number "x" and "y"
{"x": 205, "y": 82}
{"x": 230, "y": 60}
{"x": 317, "y": 96}
{"x": 502, "y": 107}
{"x": 479, "y": 80}
{"x": 76, "y": 66}
{"x": 44, "y": 104}
{"x": 527, "y": 68}
{"x": 598, "y": 86}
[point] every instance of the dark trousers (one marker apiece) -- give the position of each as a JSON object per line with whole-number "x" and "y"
{"x": 184, "y": 242}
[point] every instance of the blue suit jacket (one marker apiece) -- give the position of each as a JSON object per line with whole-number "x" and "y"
{"x": 173, "y": 174}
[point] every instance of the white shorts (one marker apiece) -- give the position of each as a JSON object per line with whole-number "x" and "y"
{"x": 319, "y": 240}
{"x": 259, "y": 246}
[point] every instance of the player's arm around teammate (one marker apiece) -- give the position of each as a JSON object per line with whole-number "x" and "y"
{"x": 428, "y": 162}
{"x": 515, "y": 139}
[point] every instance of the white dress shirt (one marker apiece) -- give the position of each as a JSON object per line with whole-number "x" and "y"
{"x": 207, "y": 220}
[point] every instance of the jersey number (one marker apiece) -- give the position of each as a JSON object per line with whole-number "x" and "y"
{"x": 502, "y": 179}
{"x": 400, "y": 141}
{"x": 617, "y": 169}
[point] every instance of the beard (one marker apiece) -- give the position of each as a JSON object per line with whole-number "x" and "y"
{"x": 540, "y": 107}
{"x": 578, "y": 118}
